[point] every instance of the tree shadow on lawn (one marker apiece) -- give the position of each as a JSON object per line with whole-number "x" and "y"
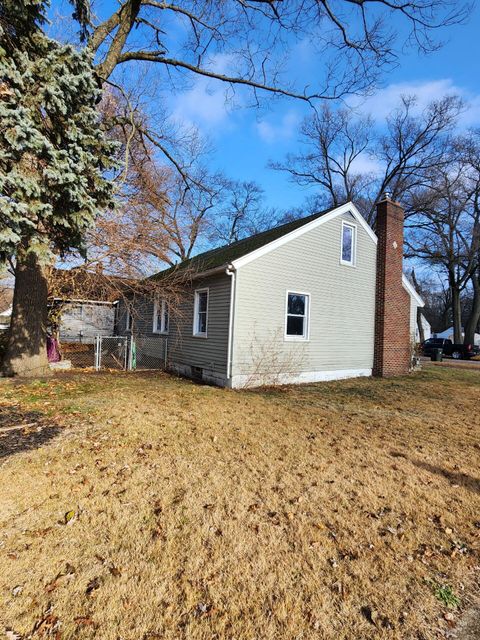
{"x": 462, "y": 479}
{"x": 23, "y": 431}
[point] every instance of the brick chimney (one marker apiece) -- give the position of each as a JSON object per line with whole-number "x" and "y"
{"x": 392, "y": 306}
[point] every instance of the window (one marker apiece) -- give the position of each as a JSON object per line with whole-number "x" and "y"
{"x": 349, "y": 238}
{"x": 296, "y": 325}
{"x": 160, "y": 316}
{"x": 200, "y": 313}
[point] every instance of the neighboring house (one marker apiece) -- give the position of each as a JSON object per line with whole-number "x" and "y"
{"x": 82, "y": 320}
{"x": 320, "y": 298}
{"x": 6, "y": 300}
{"x": 448, "y": 335}
{"x": 83, "y": 304}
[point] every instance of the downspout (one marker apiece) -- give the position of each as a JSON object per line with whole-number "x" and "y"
{"x": 230, "y": 271}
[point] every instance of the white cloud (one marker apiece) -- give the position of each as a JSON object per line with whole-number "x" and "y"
{"x": 386, "y": 100}
{"x": 271, "y": 132}
{"x": 201, "y": 105}
{"x": 204, "y": 104}
{"x": 365, "y": 163}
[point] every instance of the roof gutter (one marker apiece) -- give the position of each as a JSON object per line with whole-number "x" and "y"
{"x": 231, "y": 271}
{"x": 83, "y": 301}
{"x": 211, "y": 272}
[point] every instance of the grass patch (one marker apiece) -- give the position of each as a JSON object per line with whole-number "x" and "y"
{"x": 444, "y": 593}
{"x": 140, "y": 506}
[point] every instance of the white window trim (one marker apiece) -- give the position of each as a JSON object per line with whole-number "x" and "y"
{"x": 197, "y": 334}
{"x": 353, "y": 262}
{"x": 306, "y": 337}
{"x": 163, "y": 311}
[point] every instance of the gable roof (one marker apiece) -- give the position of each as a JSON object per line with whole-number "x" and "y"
{"x": 248, "y": 249}
{"x": 226, "y": 254}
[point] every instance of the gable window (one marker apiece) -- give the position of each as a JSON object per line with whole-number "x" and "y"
{"x": 349, "y": 241}
{"x": 296, "y": 323}
{"x": 200, "y": 313}
{"x": 160, "y": 316}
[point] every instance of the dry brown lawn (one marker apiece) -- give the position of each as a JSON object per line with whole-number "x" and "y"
{"x": 140, "y": 507}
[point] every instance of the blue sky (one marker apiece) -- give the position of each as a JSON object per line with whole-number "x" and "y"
{"x": 245, "y": 139}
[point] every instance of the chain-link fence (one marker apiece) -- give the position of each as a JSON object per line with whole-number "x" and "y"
{"x": 149, "y": 352}
{"x": 118, "y": 352}
{"x": 80, "y": 355}
{"x": 112, "y": 352}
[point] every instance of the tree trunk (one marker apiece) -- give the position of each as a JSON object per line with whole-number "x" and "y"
{"x": 26, "y": 353}
{"x": 421, "y": 332}
{"x": 457, "y": 315}
{"x": 474, "y": 318}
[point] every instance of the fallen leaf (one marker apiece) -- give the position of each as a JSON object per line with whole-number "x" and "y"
{"x": 46, "y": 625}
{"x": 92, "y": 585}
{"x": 369, "y": 614}
{"x": 84, "y": 621}
{"x": 51, "y": 585}
{"x": 69, "y": 516}
{"x": 202, "y": 608}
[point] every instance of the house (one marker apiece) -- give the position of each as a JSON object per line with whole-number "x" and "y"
{"x": 6, "y": 302}
{"x": 448, "y": 335}
{"x": 82, "y": 304}
{"x": 82, "y": 320}
{"x": 320, "y": 298}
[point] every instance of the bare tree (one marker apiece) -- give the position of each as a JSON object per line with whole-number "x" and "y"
{"x": 443, "y": 228}
{"x": 334, "y": 142}
{"x": 436, "y": 294}
{"x": 244, "y": 45}
{"x": 258, "y": 32}
{"x": 471, "y": 151}
{"x": 338, "y": 145}
{"x": 242, "y": 212}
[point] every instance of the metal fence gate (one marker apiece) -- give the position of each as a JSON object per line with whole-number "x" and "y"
{"x": 130, "y": 352}
{"x": 112, "y": 352}
{"x": 148, "y": 352}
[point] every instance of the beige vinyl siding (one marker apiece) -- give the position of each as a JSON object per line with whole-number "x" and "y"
{"x": 184, "y": 349}
{"x": 151, "y": 346}
{"x": 209, "y": 353}
{"x": 342, "y": 305}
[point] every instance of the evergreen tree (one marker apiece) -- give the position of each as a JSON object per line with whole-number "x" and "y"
{"x": 53, "y": 159}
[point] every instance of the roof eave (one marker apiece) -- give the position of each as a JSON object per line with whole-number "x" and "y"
{"x": 348, "y": 207}
{"x": 412, "y": 291}
{"x": 211, "y": 272}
